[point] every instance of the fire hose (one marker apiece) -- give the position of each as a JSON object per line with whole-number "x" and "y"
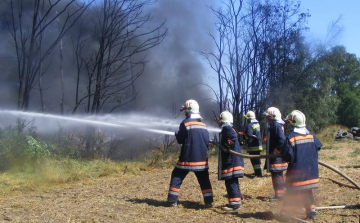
{"x": 279, "y": 156}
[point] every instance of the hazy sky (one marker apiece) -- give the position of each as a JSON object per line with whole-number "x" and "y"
{"x": 323, "y": 12}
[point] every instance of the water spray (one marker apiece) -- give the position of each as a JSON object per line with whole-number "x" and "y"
{"x": 143, "y": 125}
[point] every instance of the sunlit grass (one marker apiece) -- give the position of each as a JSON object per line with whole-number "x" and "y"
{"x": 50, "y": 172}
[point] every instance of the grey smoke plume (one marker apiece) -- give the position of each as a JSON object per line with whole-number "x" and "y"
{"x": 176, "y": 72}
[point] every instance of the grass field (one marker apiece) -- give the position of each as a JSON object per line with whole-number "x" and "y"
{"x": 106, "y": 191}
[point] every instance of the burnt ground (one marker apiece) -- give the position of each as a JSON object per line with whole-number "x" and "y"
{"x": 142, "y": 198}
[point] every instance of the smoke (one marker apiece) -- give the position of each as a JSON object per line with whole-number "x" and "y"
{"x": 176, "y": 72}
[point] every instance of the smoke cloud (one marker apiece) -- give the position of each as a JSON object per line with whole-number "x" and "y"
{"x": 176, "y": 72}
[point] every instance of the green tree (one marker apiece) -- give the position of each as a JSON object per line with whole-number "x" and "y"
{"x": 332, "y": 93}
{"x": 347, "y": 75}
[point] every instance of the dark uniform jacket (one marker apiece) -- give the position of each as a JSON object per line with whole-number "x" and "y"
{"x": 231, "y": 166}
{"x": 301, "y": 151}
{"x": 194, "y": 138}
{"x": 277, "y": 140}
{"x": 254, "y": 136}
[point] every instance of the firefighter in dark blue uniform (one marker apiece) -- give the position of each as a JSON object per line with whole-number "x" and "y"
{"x": 275, "y": 142}
{"x": 194, "y": 138}
{"x": 232, "y": 167}
{"x": 253, "y": 137}
{"x": 302, "y": 176}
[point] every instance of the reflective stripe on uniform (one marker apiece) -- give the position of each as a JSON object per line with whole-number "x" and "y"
{"x": 279, "y": 193}
{"x": 193, "y": 163}
{"x": 207, "y": 193}
{"x": 301, "y": 139}
{"x": 257, "y": 166}
{"x": 234, "y": 201}
{"x": 256, "y": 126}
{"x": 307, "y": 182}
{"x": 174, "y": 191}
{"x": 195, "y": 125}
{"x": 279, "y": 166}
{"x": 192, "y": 167}
{"x": 254, "y": 148}
{"x": 232, "y": 171}
{"x": 305, "y": 185}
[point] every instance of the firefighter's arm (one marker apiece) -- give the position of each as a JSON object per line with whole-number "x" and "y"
{"x": 231, "y": 139}
{"x": 280, "y": 139}
{"x": 181, "y": 134}
{"x": 287, "y": 152}
{"x": 317, "y": 143}
{"x": 249, "y": 131}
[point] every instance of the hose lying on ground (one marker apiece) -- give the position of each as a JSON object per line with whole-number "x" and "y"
{"x": 338, "y": 172}
{"x": 278, "y": 156}
{"x": 339, "y": 207}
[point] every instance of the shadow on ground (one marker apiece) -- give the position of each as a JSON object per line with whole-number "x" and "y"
{"x": 262, "y": 198}
{"x": 157, "y": 203}
{"x": 256, "y": 215}
{"x": 151, "y": 202}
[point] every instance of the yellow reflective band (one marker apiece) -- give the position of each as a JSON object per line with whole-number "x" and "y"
{"x": 256, "y": 126}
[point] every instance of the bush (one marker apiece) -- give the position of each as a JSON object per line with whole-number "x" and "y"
{"x": 18, "y": 148}
{"x": 35, "y": 149}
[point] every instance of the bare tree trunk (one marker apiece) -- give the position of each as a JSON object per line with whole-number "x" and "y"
{"x": 62, "y": 78}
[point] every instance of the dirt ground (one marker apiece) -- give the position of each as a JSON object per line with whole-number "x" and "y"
{"x": 142, "y": 198}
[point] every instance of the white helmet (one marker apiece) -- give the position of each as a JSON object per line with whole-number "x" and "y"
{"x": 273, "y": 113}
{"x": 191, "y": 106}
{"x": 250, "y": 115}
{"x": 226, "y": 116}
{"x": 297, "y": 118}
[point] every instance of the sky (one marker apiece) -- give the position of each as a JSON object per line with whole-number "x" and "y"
{"x": 324, "y": 12}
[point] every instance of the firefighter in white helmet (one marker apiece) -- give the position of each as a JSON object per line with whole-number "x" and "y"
{"x": 194, "y": 138}
{"x": 301, "y": 152}
{"x": 232, "y": 167}
{"x": 253, "y": 137}
{"x": 275, "y": 142}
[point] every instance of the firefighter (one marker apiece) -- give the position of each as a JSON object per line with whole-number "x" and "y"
{"x": 194, "y": 138}
{"x": 301, "y": 152}
{"x": 275, "y": 142}
{"x": 232, "y": 167}
{"x": 253, "y": 136}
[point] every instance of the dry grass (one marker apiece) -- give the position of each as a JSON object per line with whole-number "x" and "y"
{"x": 49, "y": 173}
{"x": 140, "y": 195}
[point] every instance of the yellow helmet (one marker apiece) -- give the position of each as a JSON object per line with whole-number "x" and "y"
{"x": 250, "y": 115}
{"x": 226, "y": 116}
{"x": 191, "y": 106}
{"x": 273, "y": 113}
{"x": 297, "y": 118}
